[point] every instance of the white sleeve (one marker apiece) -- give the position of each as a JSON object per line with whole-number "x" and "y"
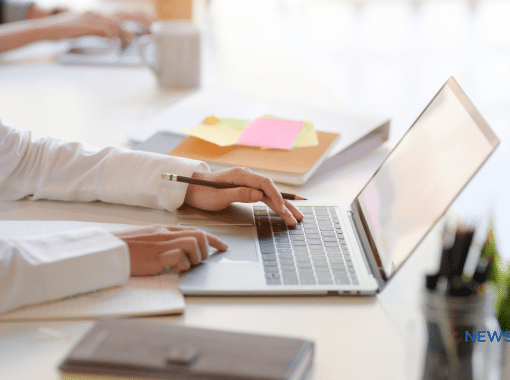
{"x": 51, "y": 267}
{"x": 49, "y": 168}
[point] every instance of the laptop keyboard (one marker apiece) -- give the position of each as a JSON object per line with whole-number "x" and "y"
{"x": 313, "y": 252}
{"x": 93, "y": 50}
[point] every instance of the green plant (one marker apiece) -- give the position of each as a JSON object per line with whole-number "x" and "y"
{"x": 499, "y": 276}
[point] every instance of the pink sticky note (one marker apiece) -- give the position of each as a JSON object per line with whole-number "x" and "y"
{"x": 270, "y": 133}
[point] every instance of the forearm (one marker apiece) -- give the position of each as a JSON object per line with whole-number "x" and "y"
{"x": 52, "y": 169}
{"x": 51, "y": 267}
{"x": 20, "y": 33}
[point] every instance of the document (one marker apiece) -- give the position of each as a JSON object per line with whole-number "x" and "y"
{"x": 140, "y": 296}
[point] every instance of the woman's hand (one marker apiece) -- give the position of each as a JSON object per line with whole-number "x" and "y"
{"x": 152, "y": 249}
{"x": 71, "y": 25}
{"x": 258, "y": 188}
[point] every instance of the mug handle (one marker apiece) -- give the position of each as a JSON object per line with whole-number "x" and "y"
{"x": 144, "y": 42}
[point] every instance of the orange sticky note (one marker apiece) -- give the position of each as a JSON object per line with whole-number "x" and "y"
{"x": 211, "y": 120}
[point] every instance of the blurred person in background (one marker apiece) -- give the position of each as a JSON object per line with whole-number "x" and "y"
{"x": 22, "y": 23}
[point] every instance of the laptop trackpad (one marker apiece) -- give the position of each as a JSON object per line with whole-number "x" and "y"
{"x": 241, "y": 241}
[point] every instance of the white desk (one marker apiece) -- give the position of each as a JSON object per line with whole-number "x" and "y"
{"x": 348, "y": 332}
{"x": 356, "y": 338}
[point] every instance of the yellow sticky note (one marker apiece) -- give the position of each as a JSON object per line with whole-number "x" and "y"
{"x": 238, "y": 124}
{"x": 223, "y": 133}
{"x": 307, "y": 137}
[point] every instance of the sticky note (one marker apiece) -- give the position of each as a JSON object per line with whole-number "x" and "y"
{"x": 307, "y": 137}
{"x": 271, "y": 133}
{"x": 238, "y": 124}
{"x": 211, "y": 120}
{"x": 224, "y": 132}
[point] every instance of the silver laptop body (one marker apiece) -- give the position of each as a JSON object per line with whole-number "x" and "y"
{"x": 100, "y": 51}
{"x": 356, "y": 249}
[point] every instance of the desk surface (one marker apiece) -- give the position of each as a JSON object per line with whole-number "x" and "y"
{"x": 347, "y": 331}
{"x": 101, "y": 105}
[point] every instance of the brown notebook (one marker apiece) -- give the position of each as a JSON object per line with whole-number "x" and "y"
{"x": 134, "y": 349}
{"x": 297, "y": 160}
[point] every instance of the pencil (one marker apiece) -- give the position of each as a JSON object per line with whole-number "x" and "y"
{"x": 218, "y": 185}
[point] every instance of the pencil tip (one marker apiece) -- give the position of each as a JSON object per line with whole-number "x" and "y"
{"x": 298, "y": 198}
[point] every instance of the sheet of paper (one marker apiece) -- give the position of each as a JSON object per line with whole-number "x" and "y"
{"x": 271, "y": 133}
{"x": 140, "y": 296}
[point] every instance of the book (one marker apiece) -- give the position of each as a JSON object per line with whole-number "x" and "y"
{"x": 295, "y": 161}
{"x": 133, "y": 349}
{"x": 139, "y": 296}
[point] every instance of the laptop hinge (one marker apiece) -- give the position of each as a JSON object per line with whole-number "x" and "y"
{"x": 369, "y": 260}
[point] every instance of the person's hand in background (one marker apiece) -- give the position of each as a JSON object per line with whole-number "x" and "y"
{"x": 71, "y": 25}
{"x": 61, "y": 24}
{"x": 141, "y": 19}
{"x": 152, "y": 249}
{"x": 35, "y": 11}
{"x": 259, "y": 188}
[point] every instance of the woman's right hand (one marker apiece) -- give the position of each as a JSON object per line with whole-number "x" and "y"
{"x": 153, "y": 249}
{"x": 71, "y": 25}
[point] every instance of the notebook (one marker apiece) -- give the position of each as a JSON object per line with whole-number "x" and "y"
{"x": 356, "y": 248}
{"x": 295, "y": 161}
{"x": 117, "y": 349}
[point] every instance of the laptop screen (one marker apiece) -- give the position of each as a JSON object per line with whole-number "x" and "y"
{"x": 423, "y": 174}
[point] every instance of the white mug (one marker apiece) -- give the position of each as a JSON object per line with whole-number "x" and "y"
{"x": 176, "y": 60}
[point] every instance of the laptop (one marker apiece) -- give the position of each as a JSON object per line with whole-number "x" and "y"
{"x": 357, "y": 248}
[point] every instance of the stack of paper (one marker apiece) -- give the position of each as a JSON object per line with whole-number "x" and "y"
{"x": 265, "y": 132}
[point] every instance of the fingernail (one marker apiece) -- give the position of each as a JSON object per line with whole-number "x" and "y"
{"x": 293, "y": 221}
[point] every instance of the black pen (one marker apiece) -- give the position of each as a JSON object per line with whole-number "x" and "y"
{"x": 463, "y": 239}
{"x": 219, "y": 185}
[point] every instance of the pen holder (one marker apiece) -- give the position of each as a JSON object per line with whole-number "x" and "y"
{"x": 452, "y": 354}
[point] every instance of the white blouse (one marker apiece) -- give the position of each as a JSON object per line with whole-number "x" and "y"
{"x": 51, "y": 267}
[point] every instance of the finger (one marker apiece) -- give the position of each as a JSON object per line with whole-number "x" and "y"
{"x": 239, "y": 176}
{"x": 201, "y": 239}
{"x": 143, "y": 19}
{"x": 216, "y": 242}
{"x": 204, "y": 239}
{"x": 189, "y": 245}
{"x": 298, "y": 215}
{"x": 115, "y": 30}
{"x": 241, "y": 194}
{"x": 171, "y": 259}
{"x": 175, "y": 259}
{"x": 286, "y": 215}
